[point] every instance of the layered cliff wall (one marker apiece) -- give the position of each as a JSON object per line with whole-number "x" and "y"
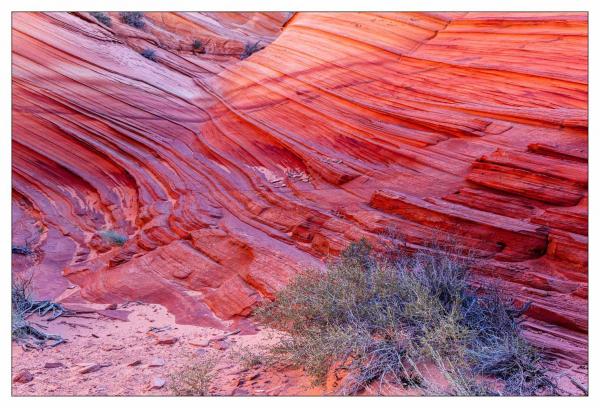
{"x": 229, "y": 167}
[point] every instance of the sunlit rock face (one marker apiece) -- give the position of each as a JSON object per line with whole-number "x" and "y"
{"x": 228, "y": 171}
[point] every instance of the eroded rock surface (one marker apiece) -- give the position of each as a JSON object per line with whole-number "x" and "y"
{"x": 228, "y": 172}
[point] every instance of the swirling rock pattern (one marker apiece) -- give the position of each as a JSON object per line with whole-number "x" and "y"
{"x": 229, "y": 172}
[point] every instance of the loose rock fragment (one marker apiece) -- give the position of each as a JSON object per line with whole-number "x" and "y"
{"x": 23, "y": 376}
{"x": 56, "y": 364}
{"x": 157, "y": 383}
{"x": 166, "y": 340}
{"x": 157, "y": 362}
{"x": 199, "y": 342}
{"x": 91, "y": 368}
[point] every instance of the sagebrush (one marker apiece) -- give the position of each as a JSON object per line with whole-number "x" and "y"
{"x": 149, "y": 54}
{"x": 102, "y": 18}
{"x": 251, "y": 48}
{"x": 195, "y": 378}
{"x": 22, "y": 250}
{"x": 385, "y": 319}
{"x": 133, "y": 18}
{"x": 250, "y": 358}
{"x": 113, "y": 237}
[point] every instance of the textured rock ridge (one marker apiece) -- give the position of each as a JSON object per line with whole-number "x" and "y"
{"x": 229, "y": 172}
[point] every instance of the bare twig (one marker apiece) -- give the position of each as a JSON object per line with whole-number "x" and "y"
{"x": 23, "y": 306}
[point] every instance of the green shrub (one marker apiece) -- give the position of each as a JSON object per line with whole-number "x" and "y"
{"x": 113, "y": 237}
{"x": 102, "y": 18}
{"x": 251, "y": 48}
{"x": 22, "y": 250}
{"x": 194, "y": 379}
{"x": 149, "y": 54}
{"x": 249, "y": 358}
{"x": 384, "y": 318}
{"x": 133, "y": 18}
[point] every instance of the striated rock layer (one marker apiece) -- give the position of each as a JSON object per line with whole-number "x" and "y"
{"x": 229, "y": 174}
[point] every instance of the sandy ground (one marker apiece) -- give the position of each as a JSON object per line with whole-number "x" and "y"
{"x": 130, "y": 358}
{"x": 114, "y": 345}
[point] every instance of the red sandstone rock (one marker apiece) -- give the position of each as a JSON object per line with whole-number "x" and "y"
{"x": 199, "y": 342}
{"x": 157, "y": 362}
{"x": 157, "y": 383}
{"x": 90, "y": 368}
{"x": 228, "y": 176}
{"x": 166, "y": 340}
{"x": 52, "y": 364}
{"x": 23, "y": 376}
{"x": 220, "y": 345}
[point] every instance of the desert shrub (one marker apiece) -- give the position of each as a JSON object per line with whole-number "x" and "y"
{"x": 23, "y": 305}
{"x": 113, "y": 237}
{"x": 194, "y": 379}
{"x": 102, "y": 18}
{"x": 197, "y": 44}
{"x": 251, "y": 48}
{"x": 510, "y": 358}
{"x": 385, "y": 318}
{"x": 133, "y": 18}
{"x": 249, "y": 358}
{"x": 22, "y": 250}
{"x": 149, "y": 54}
